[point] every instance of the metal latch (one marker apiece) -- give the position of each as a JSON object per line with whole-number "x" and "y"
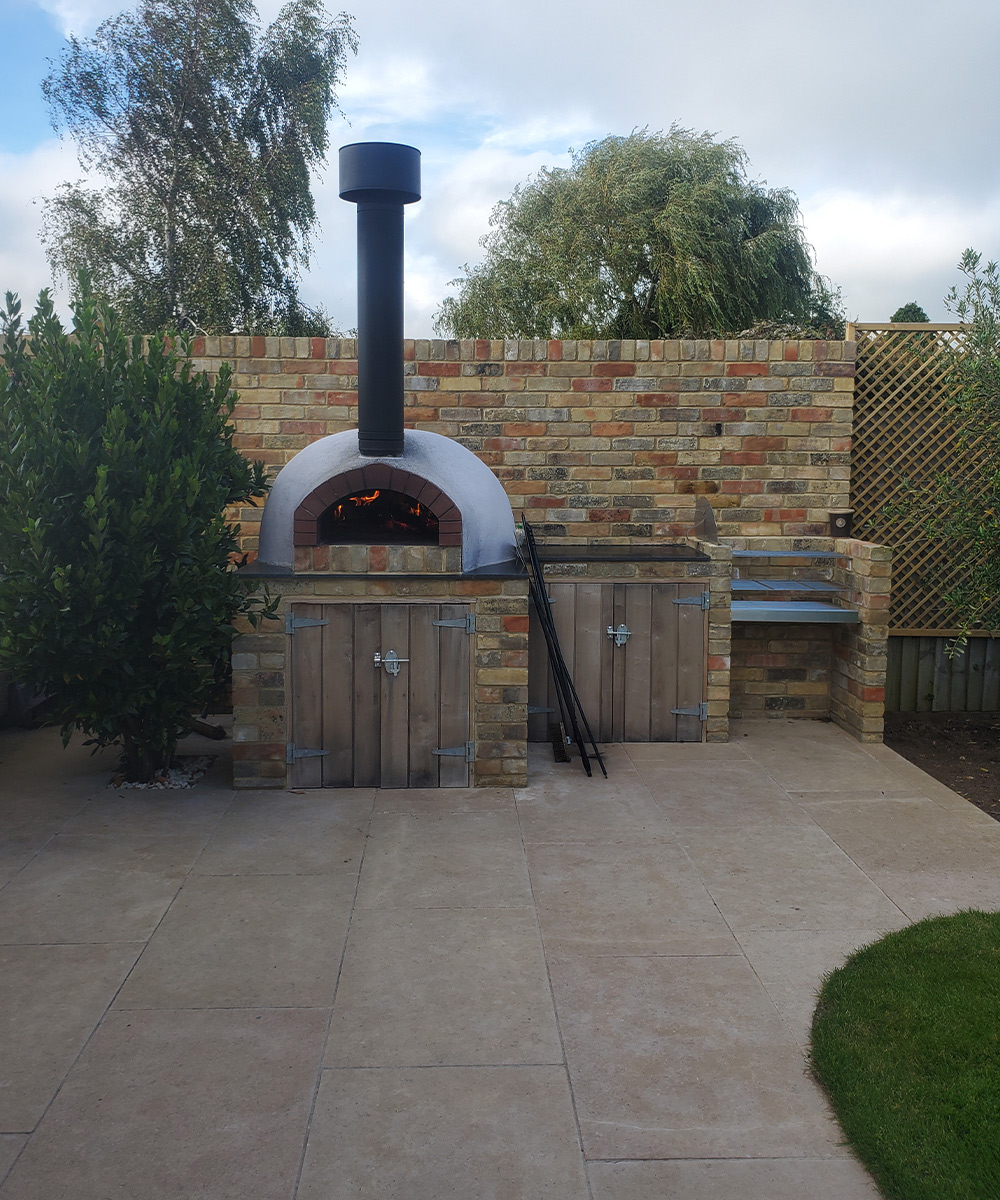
{"x": 293, "y": 753}
{"x": 621, "y": 634}
{"x": 703, "y": 600}
{"x": 468, "y": 752}
{"x": 292, "y": 622}
{"x": 701, "y": 712}
{"x": 390, "y": 661}
{"x": 468, "y": 622}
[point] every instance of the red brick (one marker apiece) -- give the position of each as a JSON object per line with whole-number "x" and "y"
{"x": 525, "y": 368}
{"x": 317, "y": 347}
{"x": 750, "y": 368}
{"x": 515, "y": 624}
{"x": 378, "y": 558}
{"x": 555, "y": 350}
{"x": 613, "y": 369}
{"x": 439, "y": 368}
{"x": 257, "y": 347}
{"x": 791, "y": 352}
{"x": 811, "y": 414}
{"x": 482, "y": 350}
{"x": 592, "y": 385}
{"x": 613, "y": 429}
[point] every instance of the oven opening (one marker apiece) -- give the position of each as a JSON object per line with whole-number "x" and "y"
{"x": 377, "y": 515}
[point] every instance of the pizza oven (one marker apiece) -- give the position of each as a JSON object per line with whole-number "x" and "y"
{"x": 381, "y": 484}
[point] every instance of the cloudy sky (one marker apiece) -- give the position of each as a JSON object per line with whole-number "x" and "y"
{"x": 882, "y": 116}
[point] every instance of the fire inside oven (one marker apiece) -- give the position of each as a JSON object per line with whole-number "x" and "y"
{"x": 375, "y": 516}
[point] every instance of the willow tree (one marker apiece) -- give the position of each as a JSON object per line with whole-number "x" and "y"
{"x": 198, "y": 133}
{"x": 645, "y": 236}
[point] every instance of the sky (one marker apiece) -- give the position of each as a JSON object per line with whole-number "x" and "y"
{"x": 881, "y": 115}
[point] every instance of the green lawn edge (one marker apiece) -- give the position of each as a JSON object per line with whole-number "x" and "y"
{"x": 906, "y": 1045}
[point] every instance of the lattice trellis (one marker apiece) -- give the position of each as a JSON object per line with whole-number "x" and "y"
{"x": 904, "y": 432}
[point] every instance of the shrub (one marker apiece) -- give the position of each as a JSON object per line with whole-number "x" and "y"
{"x": 117, "y": 588}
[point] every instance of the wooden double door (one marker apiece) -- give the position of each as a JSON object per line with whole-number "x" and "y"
{"x": 637, "y": 653}
{"x": 380, "y": 695}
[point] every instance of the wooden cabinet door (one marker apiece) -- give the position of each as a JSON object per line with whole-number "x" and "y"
{"x": 357, "y": 724}
{"x": 630, "y": 692}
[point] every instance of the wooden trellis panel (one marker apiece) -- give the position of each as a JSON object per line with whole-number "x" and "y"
{"x": 904, "y": 431}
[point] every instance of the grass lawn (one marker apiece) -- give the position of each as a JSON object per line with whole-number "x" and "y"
{"x": 906, "y": 1043}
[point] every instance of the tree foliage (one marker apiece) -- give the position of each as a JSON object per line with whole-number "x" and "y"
{"x": 199, "y": 133}
{"x": 646, "y": 236}
{"x": 911, "y": 312}
{"x": 117, "y": 593}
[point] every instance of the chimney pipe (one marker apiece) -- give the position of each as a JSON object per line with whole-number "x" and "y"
{"x": 380, "y": 177}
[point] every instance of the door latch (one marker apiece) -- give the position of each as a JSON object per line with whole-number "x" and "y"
{"x": 621, "y": 634}
{"x": 390, "y": 661}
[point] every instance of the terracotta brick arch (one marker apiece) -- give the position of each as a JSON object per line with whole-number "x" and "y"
{"x": 378, "y": 475}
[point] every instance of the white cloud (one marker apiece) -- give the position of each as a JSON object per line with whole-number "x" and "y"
{"x": 24, "y": 180}
{"x": 888, "y": 249}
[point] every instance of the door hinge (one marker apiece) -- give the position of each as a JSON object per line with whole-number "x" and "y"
{"x": 701, "y": 711}
{"x": 534, "y": 708}
{"x": 703, "y": 600}
{"x": 468, "y": 752}
{"x": 293, "y": 753}
{"x": 468, "y": 622}
{"x": 292, "y": 622}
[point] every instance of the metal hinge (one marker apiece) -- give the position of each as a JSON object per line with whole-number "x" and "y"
{"x": 533, "y": 709}
{"x": 468, "y": 622}
{"x": 701, "y": 712}
{"x": 468, "y": 752}
{"x": 292, "y": 622}
{"x": 703, "y": 600}
{"x": 293, "y": 753}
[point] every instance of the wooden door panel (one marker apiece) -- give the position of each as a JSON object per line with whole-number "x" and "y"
{"x": 635, "y": 660}
{"x": 692, "y": 640}
{"x": 339, "y": 665}
{"x": 367, "y": 744}
{"x": 307, "y": 696}
{"x": 454, "y": 668}
{"x": 663, "y": 657}
{"x": 395, "y": 691}
{"x": 424, "y": 682}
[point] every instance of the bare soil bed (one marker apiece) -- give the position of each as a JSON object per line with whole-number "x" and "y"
{"x": 961, "y": 750}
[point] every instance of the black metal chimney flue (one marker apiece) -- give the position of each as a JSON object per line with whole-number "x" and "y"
{"x": 380, "y": 177}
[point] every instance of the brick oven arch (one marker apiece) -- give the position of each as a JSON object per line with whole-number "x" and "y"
{"x": 376, "y": 475}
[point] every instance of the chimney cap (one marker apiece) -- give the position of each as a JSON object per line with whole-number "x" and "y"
{"x": 379, "y": 171}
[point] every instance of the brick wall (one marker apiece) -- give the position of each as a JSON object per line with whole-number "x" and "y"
{"x": 593, "y": 440}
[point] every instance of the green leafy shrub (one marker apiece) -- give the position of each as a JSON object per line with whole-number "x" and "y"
{"x": 117, "y": 588}
{"x": 910, "y": 312}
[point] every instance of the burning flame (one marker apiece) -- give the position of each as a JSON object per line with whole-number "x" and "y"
{"x": 392, "y": 512}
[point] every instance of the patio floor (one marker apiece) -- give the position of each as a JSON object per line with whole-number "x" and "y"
{"x": 583, "y": 990}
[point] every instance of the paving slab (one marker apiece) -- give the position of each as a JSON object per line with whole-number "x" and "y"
{"x": 427, "y": 987}
{"x": 207, "y": 1105}
{"x": 619, "y": 898}
{"x": 289, "y": 833}
{"x": 479, "y": 1133}
{"x": 794, "y": 878}
{"x": 96, "y": 888}
{"x": 51, "y": 1001}
{"x": 684, "y": 1058}
{"x": 444, "y": 860}
{"x": 247, "y": 941}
